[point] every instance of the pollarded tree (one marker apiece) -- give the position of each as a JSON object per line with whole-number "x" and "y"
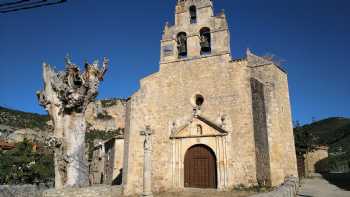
{"x": 66, "y": 96}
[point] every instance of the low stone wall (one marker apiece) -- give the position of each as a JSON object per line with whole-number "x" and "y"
{"x": 288, "y": 189}
{"x": 95, "y": 191}
{"x": 22, "y": 190}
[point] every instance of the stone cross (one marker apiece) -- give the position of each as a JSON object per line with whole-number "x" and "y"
{"x": 147, "y": 169}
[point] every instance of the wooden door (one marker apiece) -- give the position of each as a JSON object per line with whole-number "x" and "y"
{"x": 200, "y": 167}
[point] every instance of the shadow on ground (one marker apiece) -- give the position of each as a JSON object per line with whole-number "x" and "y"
{"x": 341, "y": 180}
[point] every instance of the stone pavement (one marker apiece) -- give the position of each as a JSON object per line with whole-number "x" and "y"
{"x": 205, "y": 193}
{"x": 319, "y": 187}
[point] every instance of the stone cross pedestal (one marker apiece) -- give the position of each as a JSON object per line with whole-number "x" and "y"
{"x": 147, "y": 169}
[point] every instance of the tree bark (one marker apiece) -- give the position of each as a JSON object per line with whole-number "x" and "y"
{"x": 66, "y": 96}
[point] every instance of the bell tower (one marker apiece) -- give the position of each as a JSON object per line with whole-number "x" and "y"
{"x": 187, "y": 9}
{"x": 197, "y": 32}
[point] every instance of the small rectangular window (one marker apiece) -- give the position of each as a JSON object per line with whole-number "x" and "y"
{"x": 193, "y": 14}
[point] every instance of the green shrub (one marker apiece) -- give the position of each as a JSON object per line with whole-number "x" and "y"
{"x": 22, "y": 165}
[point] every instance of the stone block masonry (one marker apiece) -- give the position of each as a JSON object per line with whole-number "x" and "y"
{"x": 235, "y": 109}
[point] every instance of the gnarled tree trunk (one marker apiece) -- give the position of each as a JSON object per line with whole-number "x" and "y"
{"x": 66, "y": 96}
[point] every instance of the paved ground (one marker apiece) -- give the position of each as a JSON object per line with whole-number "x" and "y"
{"x": 205, "y": 193}
{"x": 341, "y": 180}
{"x": 319, "y": 187}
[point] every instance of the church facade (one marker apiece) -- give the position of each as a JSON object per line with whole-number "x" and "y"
{"x": 217, "y": 122}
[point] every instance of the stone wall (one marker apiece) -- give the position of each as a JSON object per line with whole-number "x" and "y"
{"x": 260, "y": 133}
{"x": 118, "y": 161}
{"x": 96, "y": 191}
{"x": 107, "y": 162}
{"x": 316, "y": 161}
{"x": 106, "y": 115}
{"x": 22, "y": 190}
{"x": 288, "y": 189}
{"x": 282, "y": 157}
{"x": 164, "y": 103}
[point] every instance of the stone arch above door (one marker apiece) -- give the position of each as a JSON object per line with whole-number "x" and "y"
{"x": 218, "y": 147}
{"x": 199, "y": 130}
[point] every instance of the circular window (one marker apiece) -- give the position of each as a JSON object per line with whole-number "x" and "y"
{"x": 199, "y": 100}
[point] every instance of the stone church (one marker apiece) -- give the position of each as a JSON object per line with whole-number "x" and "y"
{"x": 216, "y": 121}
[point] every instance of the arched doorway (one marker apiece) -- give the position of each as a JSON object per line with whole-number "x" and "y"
{"x": 200, "y": 167}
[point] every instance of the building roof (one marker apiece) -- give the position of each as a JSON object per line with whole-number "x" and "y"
{"x": 6, "y": 146}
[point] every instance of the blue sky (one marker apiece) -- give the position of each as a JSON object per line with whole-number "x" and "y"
{"x": 311, "y": 36}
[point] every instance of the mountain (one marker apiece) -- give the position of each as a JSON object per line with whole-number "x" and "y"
{"x": 333, "y": 132}
{"x": 16, "y": 125}
{"x": 19, "y": 119}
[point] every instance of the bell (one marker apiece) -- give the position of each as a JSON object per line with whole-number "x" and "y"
{"x": 182, "y": 50}
{"x": 205, "y": 44}
{"x": 182, "y": 46}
